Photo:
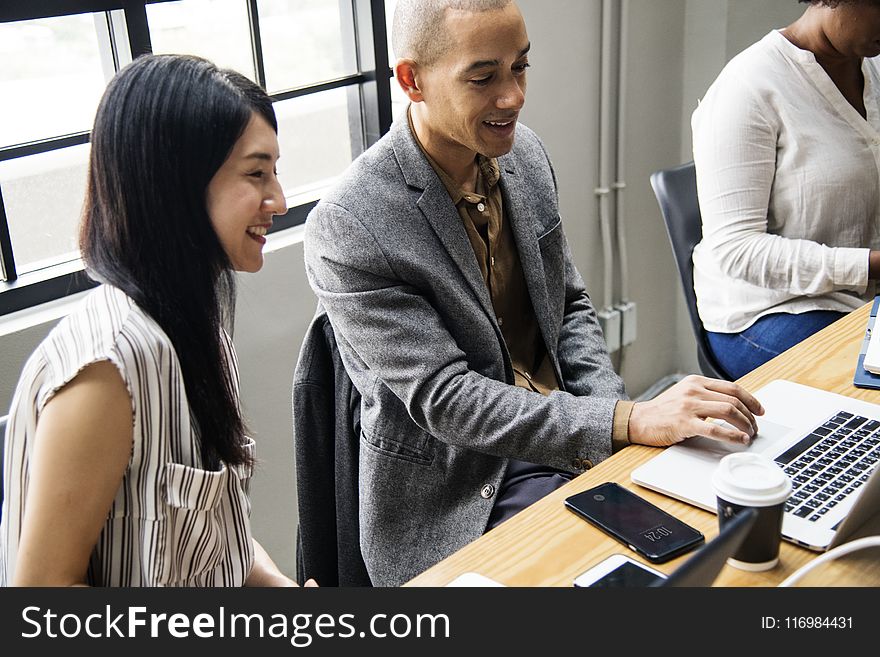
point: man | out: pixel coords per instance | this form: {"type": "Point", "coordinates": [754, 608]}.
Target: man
{"type": "Point", "coordinates": [441, 262]}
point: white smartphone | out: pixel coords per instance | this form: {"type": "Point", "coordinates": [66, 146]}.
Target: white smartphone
{"type": "Point", "coordinates": [473, 579]}
{"type": "Point", "coordinates": [616, 571]}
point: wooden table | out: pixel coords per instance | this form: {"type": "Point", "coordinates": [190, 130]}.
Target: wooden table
{"type": "Point", "coordinates": [547, 545]}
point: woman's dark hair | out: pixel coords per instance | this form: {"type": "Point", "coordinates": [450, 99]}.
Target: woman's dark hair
{"type": "Point", "coordinates": [164, 127]}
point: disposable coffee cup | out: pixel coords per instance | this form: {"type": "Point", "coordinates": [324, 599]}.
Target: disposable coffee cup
{"type": "Point", "coordinates": [752, 481]}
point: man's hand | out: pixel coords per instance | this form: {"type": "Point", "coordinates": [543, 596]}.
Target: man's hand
{"type": "Point", "coordinates": [681, 412]}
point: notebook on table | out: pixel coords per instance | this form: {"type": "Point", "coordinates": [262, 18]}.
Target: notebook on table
{"type": "Point", "coordinates": [828, 444]}
{"type": "Point", "coordinates": [870, 351]}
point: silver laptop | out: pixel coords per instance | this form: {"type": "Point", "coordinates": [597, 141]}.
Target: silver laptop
{"type": "Point", "coordinates": [828, 444]}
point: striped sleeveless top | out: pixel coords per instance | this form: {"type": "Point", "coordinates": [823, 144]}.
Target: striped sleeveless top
{"type": "Point", "coordinates": [172, 522]}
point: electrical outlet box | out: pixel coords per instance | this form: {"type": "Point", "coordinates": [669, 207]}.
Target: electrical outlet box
{"type": "Point", "coordinates": [627, 322]}
{"type": "Point", "coordinates": [609, 320]}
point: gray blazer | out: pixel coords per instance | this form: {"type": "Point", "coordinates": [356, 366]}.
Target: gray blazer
{"type": "Point", "coordinates": [390, 261]}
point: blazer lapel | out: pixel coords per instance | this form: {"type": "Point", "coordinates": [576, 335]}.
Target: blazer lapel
{"type": "Point", "coordinates": [518, 211]}
{"type": "Point", "coordinates": [438, 210]}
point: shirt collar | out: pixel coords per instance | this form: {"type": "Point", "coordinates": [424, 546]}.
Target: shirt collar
{"type": "Point", "coordinates": [489, 169]}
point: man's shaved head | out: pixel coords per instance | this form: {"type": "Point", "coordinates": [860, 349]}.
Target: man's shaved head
{"type": "Point", "coordinates": [419, 30]}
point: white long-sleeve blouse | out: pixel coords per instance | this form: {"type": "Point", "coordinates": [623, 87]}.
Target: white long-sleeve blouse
{"type": "Point", "coordinates": [788, 177]}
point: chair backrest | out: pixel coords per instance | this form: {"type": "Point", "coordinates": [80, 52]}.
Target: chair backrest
{"type": "Point", "coordinates": [676, 192]}
{"type": "Point", "coordinates": [326, 429]}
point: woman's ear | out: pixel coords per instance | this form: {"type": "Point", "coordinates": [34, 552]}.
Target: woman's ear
{"type": "Point", "coordinates": [406, 73]}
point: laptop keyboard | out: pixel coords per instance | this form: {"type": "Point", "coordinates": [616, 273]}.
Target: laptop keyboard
{"type": "Point", "coordinates": [831, 463]}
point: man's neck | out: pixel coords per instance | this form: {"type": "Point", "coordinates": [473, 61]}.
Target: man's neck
{"type": "Point", "coordinates": [458, 162]}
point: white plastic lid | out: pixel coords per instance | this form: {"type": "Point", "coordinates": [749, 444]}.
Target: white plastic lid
{"type": "Point", "coordinates": [750, 480]}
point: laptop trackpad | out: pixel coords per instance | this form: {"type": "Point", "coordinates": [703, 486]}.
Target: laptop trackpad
{"type": "Point", "coordinates": [685, 470]}
{"type": "Point", "coordinates": [766, 442]}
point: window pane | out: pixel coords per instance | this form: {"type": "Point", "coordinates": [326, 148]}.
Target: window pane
{"type": "Point", "coordinates": [306, 42]}
{"type": "Point", "coordinates": [43, 196]}
{"type": "Point", "coordinates": [389, 21]}
{"type": "Point", "coordinates": [399, 101]}
{"type": "Point", "coordinates": [214, 29]}
{"type": "Point", "coordinates": [315, 136]}
{"type": "Point", "coordinates": [51, 77]}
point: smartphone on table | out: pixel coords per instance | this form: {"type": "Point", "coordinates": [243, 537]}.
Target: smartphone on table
{"type": "Point", "coordinates": [634, 521]}
{"type": "Point", "coordinates": [616, 571]}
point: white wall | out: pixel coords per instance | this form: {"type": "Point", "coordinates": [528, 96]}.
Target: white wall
{"type": "Point", "coordinates": [673, 53]}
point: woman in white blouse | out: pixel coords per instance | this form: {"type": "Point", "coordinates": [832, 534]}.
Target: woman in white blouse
{"type": "Point", "coordinates": [126, 461]}
{"type": "Point", "coordinates": [787, 154]}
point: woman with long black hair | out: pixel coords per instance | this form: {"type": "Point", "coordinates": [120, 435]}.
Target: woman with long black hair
{"type": "Point", "coordinates": [127, 461]}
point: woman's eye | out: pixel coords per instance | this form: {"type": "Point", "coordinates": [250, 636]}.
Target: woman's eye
{"type": "Point", "coordinates": [482, 82]}
{"type": "Point", "coordinates": [521, 68]}
{"type": "Point", "coordinates": [256, 174]}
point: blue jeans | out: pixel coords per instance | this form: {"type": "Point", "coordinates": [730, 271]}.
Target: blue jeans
{"type": "Point", "coordinates": [740, 353]}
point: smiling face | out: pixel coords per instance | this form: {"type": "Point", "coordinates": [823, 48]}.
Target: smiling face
{"type": "Point", "coordinates": [245, 194]}
{"type": "Point", "coordinates": [470, 98]}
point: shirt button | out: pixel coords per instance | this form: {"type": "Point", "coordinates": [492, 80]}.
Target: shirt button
{"type": "Point", "coordinates": [492, 261]}
{"type": "Point", "coordinates": [481, 207]}
{"type": "Point", "coordinates": [587, 464]}
{"type": "Point", "coordinates": [487, 491]}
{"type": "Point", "coordinates": [528, 376]}
{"type": "Point", "coordinates": [500, 321]}
{"type": "Point", "coordinates": [577, 464]}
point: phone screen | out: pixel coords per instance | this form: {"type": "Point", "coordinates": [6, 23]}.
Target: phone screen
{"type": "Point", "coordinates": [627, 574]}
{"type": "Point", "coordinates": [635, 522]}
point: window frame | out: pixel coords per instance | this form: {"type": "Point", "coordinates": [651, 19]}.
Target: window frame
{"type": "Point", "coordinates": [371, 94]}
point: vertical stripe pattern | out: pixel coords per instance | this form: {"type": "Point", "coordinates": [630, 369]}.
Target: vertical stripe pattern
{"type": "Point", "coordinates": [172, 522]}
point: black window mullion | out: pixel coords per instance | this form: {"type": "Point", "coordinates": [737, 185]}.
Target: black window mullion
{"type": "Point", "coordinates": [256, 42]}
{"type": "Point", "coordinates": [114, 46]}
{"type": "Point", "coordinates": [7, 259]}
{"type": "Point", "coordinates": [36, 9]}
{"type": "Point", "coordinates": [294, 216]}
{"type": "Point", "coordinates": [23, 293]}
{"type": "Point", "coordinates": [351, 61]}
{"type": "Point", "coordinates": [372, 40]}
{"type": "Point", "coordinates": [43, 146]}
{"type": "Point", "coordinates": [318, 88]}
{"type": "Point", "coordinates": [138, 28]}
{"type": "Point", "coordinates": [381, 64]}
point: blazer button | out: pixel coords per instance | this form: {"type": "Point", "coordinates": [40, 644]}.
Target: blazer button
{"type": "Point", "coordinates": [487, 491]}
{"type": "Point", "coordinates": [587, 464]}
{"type": "Point", "coordinates": [577, 464]}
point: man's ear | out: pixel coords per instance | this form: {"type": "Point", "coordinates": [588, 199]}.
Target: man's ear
{"type": "Point", "coordinates": [406, 73]}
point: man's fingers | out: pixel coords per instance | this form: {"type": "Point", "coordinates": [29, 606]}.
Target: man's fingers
{"type": "Point", "coordinates": [734, 390]}
{"type": "Point", "coordinates": [721, 398]}
{"type": "Point", "coordinates": [730, 414]}
{"type": "Point", "coordinates": [718, 431]}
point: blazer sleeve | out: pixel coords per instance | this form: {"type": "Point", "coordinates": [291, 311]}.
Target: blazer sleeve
{"type": "Point", "coordinates": [396, 333]}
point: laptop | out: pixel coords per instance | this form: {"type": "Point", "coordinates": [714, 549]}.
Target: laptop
{"type": "Point", "coordinates": [828, 444]}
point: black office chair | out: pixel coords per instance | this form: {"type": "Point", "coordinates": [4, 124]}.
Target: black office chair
{"type": "Point", "coordinates": [326, 430]}
{"type": "Point", "coordinates": [676, 192]}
